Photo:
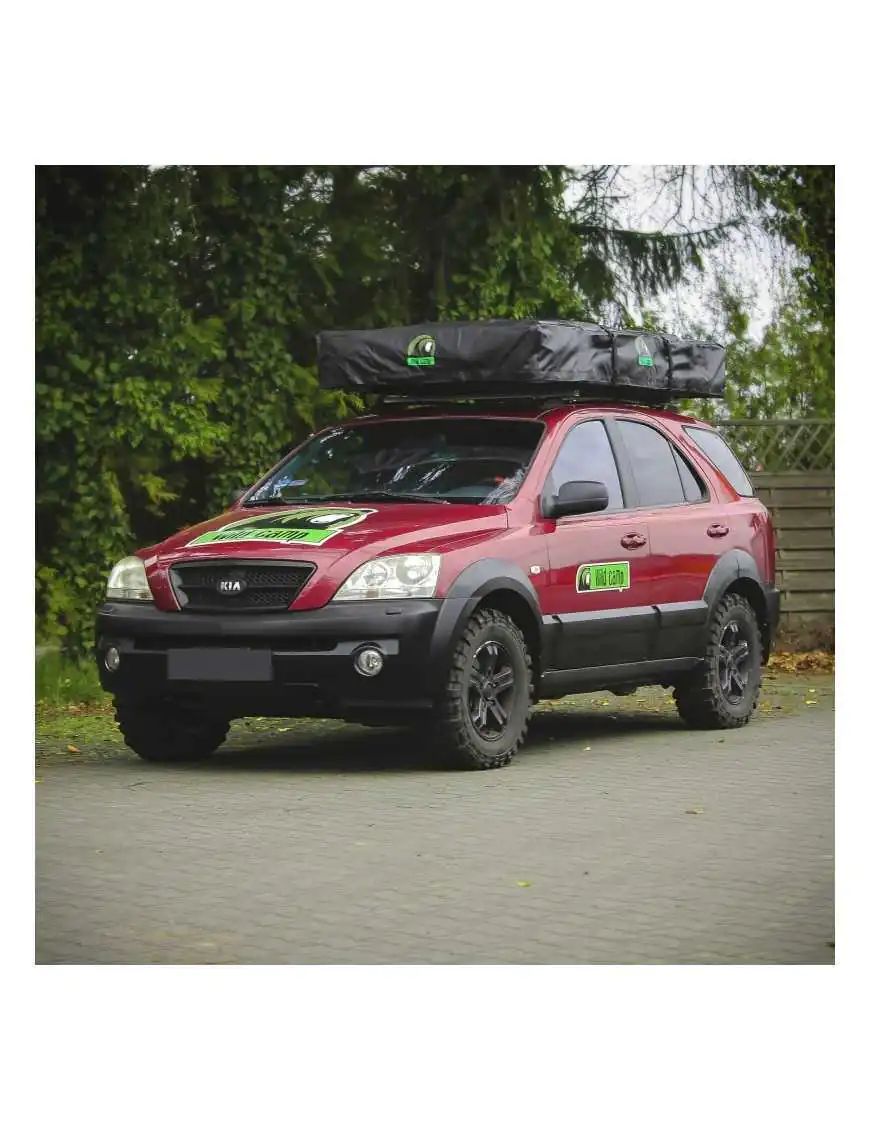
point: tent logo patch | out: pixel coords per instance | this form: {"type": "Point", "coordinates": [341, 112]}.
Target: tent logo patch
{"type": "Point", "coordinates": [421, 350]}
{"type": "Point", "coordinates": [644, 357]}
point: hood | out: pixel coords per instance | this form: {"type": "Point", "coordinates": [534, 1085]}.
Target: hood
{"type": "Point", "coordinates": [334, 537]}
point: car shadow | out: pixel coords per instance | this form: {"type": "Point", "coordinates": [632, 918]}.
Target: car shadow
{"type": "Point", "coordinates": [353, 749]}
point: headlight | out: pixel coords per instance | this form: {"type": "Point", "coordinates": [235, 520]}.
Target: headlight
{"type": "Point", "coordinates": [127, 581]}
{"type": "Point", "coordinates": [406, 575]}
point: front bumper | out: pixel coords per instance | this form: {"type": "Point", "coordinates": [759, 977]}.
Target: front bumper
{"type": "Point", "coordinates": [312, 654]}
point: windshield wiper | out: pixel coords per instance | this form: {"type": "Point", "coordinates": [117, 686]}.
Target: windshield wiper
{"type": "Point", "coordinates": [275, 501]}
{"type": "Point", "coordinates": [390, 496]}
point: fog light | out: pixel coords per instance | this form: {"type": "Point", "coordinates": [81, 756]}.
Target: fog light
{"type": "Point", "coordinates": [369, 661]}
{"type": "Point", "coordinates": [112, 659]}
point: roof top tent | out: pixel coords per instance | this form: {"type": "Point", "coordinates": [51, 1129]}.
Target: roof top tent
{"type": "Point", "coordinates": [528, 359]}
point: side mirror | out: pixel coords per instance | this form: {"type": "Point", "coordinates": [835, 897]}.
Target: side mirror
{"type": "Point", "coordinates": [579, 496]}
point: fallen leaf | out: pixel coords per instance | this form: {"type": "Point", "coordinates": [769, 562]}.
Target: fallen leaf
{"type": "Point", "coordinates": [73, 749]}
{"type": "Point", "coordinates": [791, 662]}
{"type": "Point", "coordinates": [810, 702]}
{"type": "Point", "coordinates": [694, 812]}
{"type": "Point", "coordinates": [587, 747]}
{"type": "Point", "coordinates": [524, 883]}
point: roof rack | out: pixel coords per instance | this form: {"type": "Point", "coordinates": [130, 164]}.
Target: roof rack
{"type": "Point", "coordinates": [542, 398]}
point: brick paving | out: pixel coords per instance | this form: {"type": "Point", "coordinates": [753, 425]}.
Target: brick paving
{"type": "Point", "coordinates": [626, 839]}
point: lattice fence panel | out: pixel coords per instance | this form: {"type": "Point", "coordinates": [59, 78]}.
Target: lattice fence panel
{"type": "Point", "coordinates": [782, 445]}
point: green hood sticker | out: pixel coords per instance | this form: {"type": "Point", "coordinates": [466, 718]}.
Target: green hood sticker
{"type": "Point", "coordinates": [603, 575]}
{"type": "Point", "coordinates": [309, 525]}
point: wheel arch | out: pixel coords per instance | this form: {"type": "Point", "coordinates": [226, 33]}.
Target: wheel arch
{"type": "Point", "coordinates": [489, 584]}
{"type": "Point", "coordinates": [736, 572]}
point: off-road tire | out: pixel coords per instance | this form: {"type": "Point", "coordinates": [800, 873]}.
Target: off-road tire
{"type": "Point", "coordinates": [166, 732]}
{"type": "Point", "coordinates": [699, 695]}
{"type": "Point", "coordinates": [468, 748]}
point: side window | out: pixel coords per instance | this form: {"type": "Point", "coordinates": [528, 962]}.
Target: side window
{"type": "Point", "coordinates": [656, 476]}
{"type": "Point", "coordinates": [719, 454]}
{"type": "Point", "coordinates": [693, 489]}
{"type": "Point", "coordinates": [587, 454]}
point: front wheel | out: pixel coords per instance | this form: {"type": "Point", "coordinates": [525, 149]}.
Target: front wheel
{"type": "Point", "coordinates": [168, 732]}
{"type": "Point", "coordinates": [722, 692]}
{"type": "Point", "coordinates": [484, 712]}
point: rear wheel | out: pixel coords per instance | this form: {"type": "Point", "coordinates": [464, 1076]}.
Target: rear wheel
{"type": "Point", "coordinates": [484, 713]}
{"type": "Point", "coordinates": [722, 692]}
{"type": "Point", "coordinates": [162, 731]}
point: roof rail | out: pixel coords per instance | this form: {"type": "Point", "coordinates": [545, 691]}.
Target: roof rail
{"type": "Point", "coordinates": [544, 398]}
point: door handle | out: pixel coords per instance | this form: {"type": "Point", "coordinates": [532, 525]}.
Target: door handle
{"type": "Point", "coordinates": [633, 541]}
{"type": "Point", "coordinates": [717, 530]}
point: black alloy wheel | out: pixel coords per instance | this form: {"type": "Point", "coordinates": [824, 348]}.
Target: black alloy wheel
{"type": "Point", "coordinates": [491, 690]}
{"type": "Point", "coordinates": [735, 655]}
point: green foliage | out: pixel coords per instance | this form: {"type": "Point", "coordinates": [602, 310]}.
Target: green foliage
{"type": "Point", "coordinates": [118, 376]}
{"type": "Point", "coordinates": [801, 200]}
{"type": "Point", "coordinates": [790, 371]}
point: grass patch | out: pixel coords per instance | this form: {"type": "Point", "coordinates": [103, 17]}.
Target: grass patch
{"type": "Point", "coordinates": [61, 681]}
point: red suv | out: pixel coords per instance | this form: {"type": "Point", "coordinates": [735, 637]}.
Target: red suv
{"type": "Point", "coordinates": [447, 568]}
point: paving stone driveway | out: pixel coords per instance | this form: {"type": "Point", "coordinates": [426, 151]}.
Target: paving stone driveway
{"type": "Point", "coordinates": [625, 839]}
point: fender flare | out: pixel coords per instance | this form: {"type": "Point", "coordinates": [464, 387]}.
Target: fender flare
{"type": "Point", "coordinates": [733, 566]}
{"type": "Point", "coordinates": [472, 586]}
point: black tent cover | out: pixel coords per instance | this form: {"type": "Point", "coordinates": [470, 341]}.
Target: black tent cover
{"type": "Point", "coordinates": [513, 357]}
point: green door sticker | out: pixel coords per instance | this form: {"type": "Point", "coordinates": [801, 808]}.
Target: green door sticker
{"type": "Point", "coordinates": [603, 575]}
{"type": "Point", "coordinates": [309, 525]}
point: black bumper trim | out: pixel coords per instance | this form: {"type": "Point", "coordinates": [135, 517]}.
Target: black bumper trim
{"type": "Point", "coordinates": [312, 654]}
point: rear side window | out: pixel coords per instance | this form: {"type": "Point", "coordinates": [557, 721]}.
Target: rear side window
{"type": "Point", "coordinates": [719, 454]}
{"type": "Point", "coordinates": [656, 475]}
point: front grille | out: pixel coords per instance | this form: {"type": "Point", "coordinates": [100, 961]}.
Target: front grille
{"type": "Point", "coordinates": [254, 586]}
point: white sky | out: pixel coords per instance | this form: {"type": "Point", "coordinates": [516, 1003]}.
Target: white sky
{"type": "Point", "coordinates": [748, 260]}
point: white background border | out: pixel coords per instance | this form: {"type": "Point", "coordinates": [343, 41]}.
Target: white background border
{"type": "Point", "coordinates": [418, 1047]}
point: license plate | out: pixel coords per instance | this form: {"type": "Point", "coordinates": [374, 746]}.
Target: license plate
{"type": "Point", "coordinates": [230, 665]}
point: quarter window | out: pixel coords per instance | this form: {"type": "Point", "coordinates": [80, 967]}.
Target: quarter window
{"type": "Point", "coordinates": [692, 487]}
{"type": "Point", "coordinates": [721, 456]}
{"type": "Point", "coordinates": [587, 455]}
{"type": "Point", "coordinates": [656, 476]}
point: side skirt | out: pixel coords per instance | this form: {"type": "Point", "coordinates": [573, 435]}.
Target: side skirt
{"type": "Point", "coordinates": [604, 678]}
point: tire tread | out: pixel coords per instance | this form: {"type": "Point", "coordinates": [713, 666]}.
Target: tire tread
{"type": "Point", "coordinates": [452, 715]}
{"type": "Point", "coordinates": [158, 734]}
{"type": "Point", "coordinates": [697, 696]}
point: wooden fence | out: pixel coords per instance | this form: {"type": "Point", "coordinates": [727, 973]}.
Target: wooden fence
{"type": "Point", "coordinates": [802, 508]}
{"type": "Point", "coordinates": [791, 463]}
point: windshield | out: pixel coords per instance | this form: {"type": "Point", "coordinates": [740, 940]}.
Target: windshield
{"type": "Point", "coordinates": [462, 460]}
